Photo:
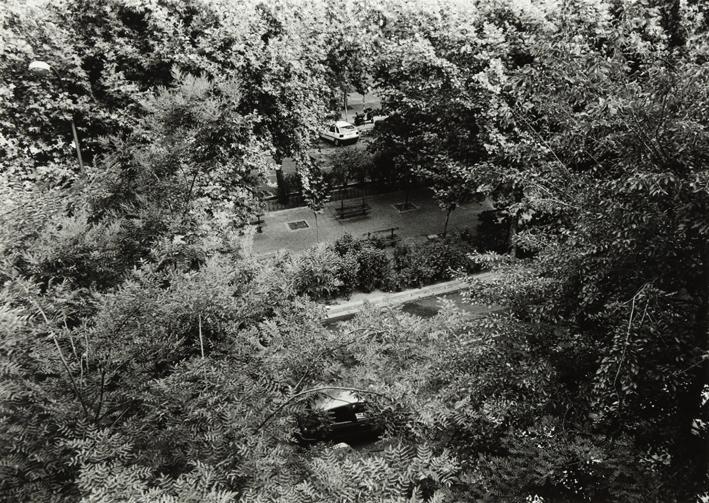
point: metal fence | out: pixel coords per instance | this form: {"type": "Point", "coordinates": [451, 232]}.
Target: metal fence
{"type": "Point", "coordinates": [357, 190]}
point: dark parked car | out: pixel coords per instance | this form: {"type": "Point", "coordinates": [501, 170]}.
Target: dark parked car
{"type": "Point", "coordinates": [339, 416]}
{"type": "Point", "coordinates": [369, 115]}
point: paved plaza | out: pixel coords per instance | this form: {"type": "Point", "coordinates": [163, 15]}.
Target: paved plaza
{"type": "Point", "coordinates": [415, 224]}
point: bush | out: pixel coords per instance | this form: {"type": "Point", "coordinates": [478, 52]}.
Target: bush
{"type": "Point", "coordinates": [347, 244]}
{"type": "Point", "coordinates": [374, 269]}
{"type": "Point", "coordinates": [376, 241]}
{"type": "Point", "coordinates": [348, 272]}
{"type": "Point", "coordinates": [315, 272]}
{"type": "Point", "coordinates": [364, 264]}
{"type": "Point", "coordinates": [419, 264]}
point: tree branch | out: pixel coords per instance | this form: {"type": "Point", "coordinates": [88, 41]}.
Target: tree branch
{"type": "Point", "coordinates": [61, 353]}
{"type": "Point", "coordinates": [331, 349]}
{"type": "Point", "coordinates": [201, 340]}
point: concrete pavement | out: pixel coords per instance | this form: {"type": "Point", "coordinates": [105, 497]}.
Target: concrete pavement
{"type": "Point", "coordinates": [414, 224]}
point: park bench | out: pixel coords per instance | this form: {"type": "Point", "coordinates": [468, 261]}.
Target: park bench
{"type": "Point", "coordinates": [387, 236]}
{"type": "Point", "coordinates": [350, 211]}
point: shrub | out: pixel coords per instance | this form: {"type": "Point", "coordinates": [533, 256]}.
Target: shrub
{"type": "Point", "coordinates": [364, 264]}
{"type": "Point", "coordinates": [419, 264]}
{"type": "Point", "coordinates": [316, 271]}
{"type": "Point", "coordinates": [376, 241]}
{"type": "Point", "coordinates": [347, 244]}
{"type": "Point", "coordinates": [373, 269]}
{"type": "Point", "coordinates": [348, 272]}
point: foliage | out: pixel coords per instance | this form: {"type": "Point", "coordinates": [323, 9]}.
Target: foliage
{"type": "Point", "coordinates": [143, 358]}
{"type": "Point", "coordinates": [595, 157]}
{"type": "Point", "coordinates": [409, 264]}
{"type": "Point", "coordinates": [36, 141]}
{"type": "Point", "coordinates": [350, 163]}
{"type": "Point", "coordinates": [347, 244]}
{"type": "Point", "coordinates": [317, 273]}
{"type": "Point", "coordinates": [421, 264]}
{"type": "Point", "coordinates": [316, 190]}
{"type": "Point", "coordinates": [492, 232]}
{"type": "Point", "coordinates": [373, 268]}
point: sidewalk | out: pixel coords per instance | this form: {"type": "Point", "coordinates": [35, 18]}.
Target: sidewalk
{"type": "Point", "coordinates": [415, 224]}
{"type": "Point", "coordinates": [350, 307]}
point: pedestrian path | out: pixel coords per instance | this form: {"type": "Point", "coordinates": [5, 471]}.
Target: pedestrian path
{"type": "Point", "coordinates": [426, 218]}
{"type": "Point", "coordinates": [346, 308]}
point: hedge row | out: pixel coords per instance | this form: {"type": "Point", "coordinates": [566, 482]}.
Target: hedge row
{"type": "Point", "coordinates": [349, 264]}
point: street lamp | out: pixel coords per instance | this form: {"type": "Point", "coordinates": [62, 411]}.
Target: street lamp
{"type": "Point", "coordinates": [42, 68]}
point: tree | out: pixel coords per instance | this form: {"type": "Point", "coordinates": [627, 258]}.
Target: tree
{"type": "Point", "coordinates": [35, 112]}
{"type": "Point", "coordinates": [350, 163]}
{"type": "Point", "coordinates": [434, 108]}
{"type": "Point", "coordinates": [611, 176]}
{"type": "Point", "coordinates": [316, 191]}
{"type": "Point", "coordinates": [451, 184]}
{"type": "Point", "coordinates": [143, 357]}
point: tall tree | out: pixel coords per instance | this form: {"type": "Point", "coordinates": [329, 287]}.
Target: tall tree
{"type": "Point", "coordinates": [608, 135]}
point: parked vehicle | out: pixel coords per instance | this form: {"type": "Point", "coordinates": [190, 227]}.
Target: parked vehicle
{"type": "Point", "coordinates": [369, 116]}
{"type": "Point", "coordinates": [340, 133]}
{"type": "Point", "coordinates": [339, 416]}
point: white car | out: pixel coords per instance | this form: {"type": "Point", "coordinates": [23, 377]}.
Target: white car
{"type": "Point", "coordinates": [340, 132]}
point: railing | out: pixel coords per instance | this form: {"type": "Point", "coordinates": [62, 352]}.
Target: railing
{"type": "Point", "coordinates": [353, 191]}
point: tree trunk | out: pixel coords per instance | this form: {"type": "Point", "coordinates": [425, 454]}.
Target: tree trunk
{"type": "Point", "coordinates": [448, 215]}
{"type": "Point", "coordinates": [512, 235]}
{"type": "Point", "coordinates": [201, 339]}
{"type": "Point", "coordinates": [76, 144]}
{"type": "Point", "coordinates": [282, 190]}
{"type": "Point", "coordinates": [317, 233]}
{"type": "Point", "coordinates": [344, 100]}
{"type": "Point", "coordinates": [672, 23]}
{"type": "Point", "coordinates": [406, 191]}
{"type": "Point", "coordinates": [189, 194]}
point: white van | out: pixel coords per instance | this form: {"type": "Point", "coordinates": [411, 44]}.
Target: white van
{"type": "Point", "coordinates": [340, 133]}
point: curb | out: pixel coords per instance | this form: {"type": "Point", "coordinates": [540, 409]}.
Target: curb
{"type": "Point", "coordinates": [348, 309]}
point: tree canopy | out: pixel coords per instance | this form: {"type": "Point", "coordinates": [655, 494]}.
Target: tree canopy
{"type": "Point", "coordinates": [146, 356]}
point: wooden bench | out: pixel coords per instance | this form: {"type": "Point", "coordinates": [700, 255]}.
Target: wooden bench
{"type": "Point", "coordinates": [352, 211]}
{"type": "Point", "coordinates": [388, 236]}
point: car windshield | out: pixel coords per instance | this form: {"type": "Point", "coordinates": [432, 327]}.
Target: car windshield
{"type": "Point", "coordinates": [347, 128]}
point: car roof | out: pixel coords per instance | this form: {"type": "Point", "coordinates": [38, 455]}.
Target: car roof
{"type": "Point", "coordinates": [342, 123]}
{"type": "Point", "coordinates": [334, 399]}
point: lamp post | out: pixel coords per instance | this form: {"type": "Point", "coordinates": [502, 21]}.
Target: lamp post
{"type": "Point", "coordinates": [42, 68]}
